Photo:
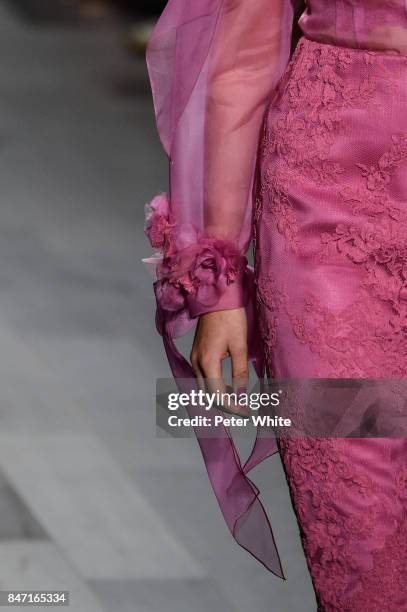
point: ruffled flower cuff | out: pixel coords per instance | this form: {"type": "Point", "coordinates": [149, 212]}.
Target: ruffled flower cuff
{"type": "Point", "coordinates": [195, 272]}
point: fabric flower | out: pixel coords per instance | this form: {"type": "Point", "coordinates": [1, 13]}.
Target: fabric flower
{"type": "Point", "coordinates": [158, 226]}
{"type": "Point", "coordinates": [194, 268]}
{"type": "Point", "coordinates": [200, 272]}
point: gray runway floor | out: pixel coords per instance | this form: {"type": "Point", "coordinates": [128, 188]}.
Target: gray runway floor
{"type": "Point", "coordinates": [90, 499]}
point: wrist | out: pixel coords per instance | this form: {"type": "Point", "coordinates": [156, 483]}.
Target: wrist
{"type": "Point", "coordinates": [233, 297]}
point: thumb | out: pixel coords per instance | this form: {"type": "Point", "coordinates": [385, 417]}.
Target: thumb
{"type": "Point", "coordinates": [240, 374]}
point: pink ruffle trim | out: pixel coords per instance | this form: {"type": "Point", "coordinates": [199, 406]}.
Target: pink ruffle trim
{"type": "Point", "coordinates": [195, 271]}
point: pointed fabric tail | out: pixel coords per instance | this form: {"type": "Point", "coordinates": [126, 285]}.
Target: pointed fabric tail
{"type": "Point", "coordinates": [237, 495]}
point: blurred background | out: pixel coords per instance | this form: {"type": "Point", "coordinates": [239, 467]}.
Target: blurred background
{"type": "Point", "coordinates": [90, 499]}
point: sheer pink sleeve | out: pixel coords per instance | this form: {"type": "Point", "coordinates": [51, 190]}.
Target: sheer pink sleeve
{"type": "Point", "coordinates": [213, 65]}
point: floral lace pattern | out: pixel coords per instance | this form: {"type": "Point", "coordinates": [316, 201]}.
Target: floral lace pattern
{"type": "Point", "coordinates": [352, 528]}
{"type": "Point", "coordinates": [330, 225]}
{"type": "Point", "coordinates": [269, 302]}
{"type": "Point", "coordinates": [301, 134]}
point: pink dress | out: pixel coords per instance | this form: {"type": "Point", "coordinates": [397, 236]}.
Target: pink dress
{"type": "Point", "coordinates": [306, 153]}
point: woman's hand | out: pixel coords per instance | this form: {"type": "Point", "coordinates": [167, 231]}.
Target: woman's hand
{"type": "Point", "coordinates": [219, 335]}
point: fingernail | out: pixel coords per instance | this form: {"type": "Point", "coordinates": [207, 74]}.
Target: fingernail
{"type": "Point", "coordinates": [241, 391]}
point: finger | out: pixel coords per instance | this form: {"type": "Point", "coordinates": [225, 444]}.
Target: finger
{"type": "Point", "coordinates": [199, 375]}
{"type": "Point", "coordinates": [212, 369]}
{"type": "Point", "coordinates": [240, 375]}
{"type": "Point", "coordinates": [240, 367]}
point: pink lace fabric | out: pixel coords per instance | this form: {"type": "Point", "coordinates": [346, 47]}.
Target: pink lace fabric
{"type": "Point", "coordinates": [327, 214]}
{"type": "Point", "coordinates": [331, 275]}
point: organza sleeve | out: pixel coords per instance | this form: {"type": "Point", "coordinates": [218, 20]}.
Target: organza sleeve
{"type": "Point", "coordinates": [213, 65]}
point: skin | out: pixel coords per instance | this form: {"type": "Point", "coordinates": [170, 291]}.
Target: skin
{"type": "Point", "coordinates": [219, 335]}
